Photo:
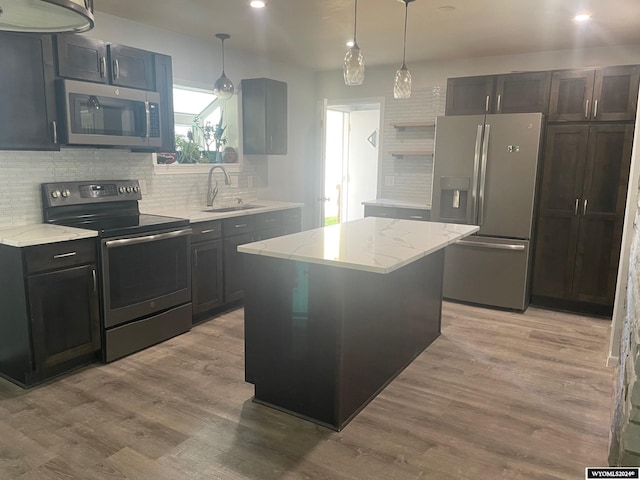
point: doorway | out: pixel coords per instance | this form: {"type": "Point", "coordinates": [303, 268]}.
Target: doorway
{"type": "Point", "coordinates": [351, 157]}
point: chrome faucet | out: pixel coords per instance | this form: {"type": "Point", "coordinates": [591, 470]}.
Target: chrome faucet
{"type": "Point", "coordinates": [212, 186]}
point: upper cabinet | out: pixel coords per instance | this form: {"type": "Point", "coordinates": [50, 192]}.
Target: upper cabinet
{"type": "Point", "coordinates": [84, 58]}
{"type": "Point", "coordinates": [264, 116]}
{"type": "Point", "coordinates": [509, 93]}
{"type": "Point", "coordinates": [27, 92]}
{"type": "Point", "coordinates": [604, 95]}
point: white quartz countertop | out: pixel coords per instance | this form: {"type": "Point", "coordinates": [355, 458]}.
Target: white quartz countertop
{"type": "Point", "coordinates": [387, 202]}
{"type": "Point", "coordinates": [371, 244]}
{"type": "Point", "coordinates": [203, 214]}
{"type": "Point", "coordinates": [41, 233]}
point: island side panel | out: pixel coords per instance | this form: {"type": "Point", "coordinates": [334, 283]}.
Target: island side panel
{"type": "Point", "coordinates": [321, 341]}
{"type": "Point", "coordinates": [290, 349]}
{"type": "Point", "coordinates": [387, 321]}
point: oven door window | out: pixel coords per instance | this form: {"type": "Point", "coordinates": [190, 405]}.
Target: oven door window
{"type": "Point", "coordinates": [97, 115]}
{"type": "Point", "coordinates": [142, 271]}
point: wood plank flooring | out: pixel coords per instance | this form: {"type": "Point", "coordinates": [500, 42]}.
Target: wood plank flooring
{"type": "Point", "coordinates": [498, 396]}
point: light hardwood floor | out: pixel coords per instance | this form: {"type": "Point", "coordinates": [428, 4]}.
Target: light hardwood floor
{"type": "Point", "coordinates": [498, 396]}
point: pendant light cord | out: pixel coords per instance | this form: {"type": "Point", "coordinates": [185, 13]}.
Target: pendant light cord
{"type": "Point", "coordinates": [223, 54]}
{"type": "Point", "coordinates": [404, 46]}
{"type": "Point", "coordinates": [355, 23]}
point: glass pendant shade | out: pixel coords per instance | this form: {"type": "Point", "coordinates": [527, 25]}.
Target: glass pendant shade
{"type": "Point", "coordinates": [223, 88]}
{"type": "Point", "coordinates": [402, 83]}
{"type": "Point", "coordinates": [353, 66]}
{"type": "Point", "coordinates": [46, 16]}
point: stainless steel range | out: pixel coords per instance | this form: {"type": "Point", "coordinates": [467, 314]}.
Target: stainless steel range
{"type": "Point", "coordinates": [144, 266]}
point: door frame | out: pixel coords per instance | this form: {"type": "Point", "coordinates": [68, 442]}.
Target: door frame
{"type": "Point", "coordinates": [323, 106]}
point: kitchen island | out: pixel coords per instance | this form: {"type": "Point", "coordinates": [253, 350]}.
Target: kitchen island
{"type": "Point", "coordinates": [333, 315]}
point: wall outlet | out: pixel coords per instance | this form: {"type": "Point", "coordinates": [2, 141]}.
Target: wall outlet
{"type": "Point", "coordinates": [143, 186]}
{"type": "Point", "coordinates": [234, 181]}
{"type": "Point", "coordinates": [389, 180]}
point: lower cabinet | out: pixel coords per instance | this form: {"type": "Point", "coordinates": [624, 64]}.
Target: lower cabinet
{"type": "Point", "coordinates": [206, 267]}
{"type": "Point", "coordinates": [217, 267]}
{"type": "Point", "coordinates": [417, 214]}
{"type": "Point", "coordinates": [51, 321]}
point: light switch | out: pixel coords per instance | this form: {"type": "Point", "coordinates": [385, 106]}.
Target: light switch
{"type": "Point", "coordinates": [389, 181]}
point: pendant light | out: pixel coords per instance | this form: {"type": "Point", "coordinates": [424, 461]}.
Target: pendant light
{"type": "Point", "coordinates": [353, 67]}
{"type": "Point", "coordinates": [46, 16]}
{"type": "Point", "coordinates": [223, 88]}
{"type": "Point", "coordinates": [402, 82]}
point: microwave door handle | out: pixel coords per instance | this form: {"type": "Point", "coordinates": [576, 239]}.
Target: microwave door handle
{"type": "Point", "coordinates": [147, 118]}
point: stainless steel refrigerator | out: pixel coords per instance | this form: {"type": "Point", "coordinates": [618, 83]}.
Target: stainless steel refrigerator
{"type": "Point", "coordinates": [485, 173]}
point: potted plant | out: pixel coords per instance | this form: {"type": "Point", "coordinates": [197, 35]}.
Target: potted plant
{"type": "Point", "coordinates": [187, 150]}
{"type": "Point", "coordinates": [211, 134]}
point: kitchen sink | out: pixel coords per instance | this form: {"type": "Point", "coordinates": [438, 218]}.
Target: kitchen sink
{"type": "Point", "coordinates": [232, 208]}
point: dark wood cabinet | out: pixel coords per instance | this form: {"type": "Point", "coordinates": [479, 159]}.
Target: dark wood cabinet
{"type": "Point", "coordinates": [509, 93]}
{"type": "Point", "coordinates": [264, 116]}
{"type": "Point", "coordinates": [51, 320]}
{"type": "Point", "coordinates": [602, 95]}
{"type": "Point", "coordinates": [207, 268]}
{"type": "Point", "coordinates": [27, 92]}
{"type": "Point", "coordinates": [164, 86]}
{"type": "Point", "coordinates": [582, 203]}
{"type": "Point", "coordinates": [234, 267]}
{"type": "Point", "coordinates": [82, 58]}
{"type": "Point", "coordinates": [131, 67]}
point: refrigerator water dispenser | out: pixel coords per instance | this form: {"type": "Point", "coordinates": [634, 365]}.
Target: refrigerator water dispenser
{"type": "Point", "coordinates": [454, 195]}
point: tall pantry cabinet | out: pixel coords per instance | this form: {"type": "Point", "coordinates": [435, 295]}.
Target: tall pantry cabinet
{"type": "Point", "coordinates": [586, 164]}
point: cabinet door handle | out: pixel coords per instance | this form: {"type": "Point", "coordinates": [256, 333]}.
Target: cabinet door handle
{"type": "Point", "coordinates": [196, 259]}
{"type": "Point", "coordinates": [577, 205]}
{"type": "Point", "coordinates": [116, 69]}
{"type": "Point", "coordinates": [241, 225]}
{"type": "Point", "coordinates": [584, 207]}
{"type": "Point", "coordinates": [103, 67]}
{"type": "Point", "coordinates": [203, 232]}
{"type": "Point", "coordinates": [486, 103]}
{"type": "Point", "coordinates": [417, 217]}
{"type": "Point", "coordinates": [586, 109]}
{"type": "Point", "coordinates": [54, 131]}
{"type": "Point", "coordinates": [499, 103]}
{"type": "Point", "coordinates": [64, 255]}
{"type": "Point", "coordinates": [95, 280]}
{"type": "Point", "coordinates": [595, 108]}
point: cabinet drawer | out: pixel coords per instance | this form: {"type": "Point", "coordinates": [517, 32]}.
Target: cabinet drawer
{"type": "Point", "coordinates": [238, 225]}
{"type": "Point", "coordinates": [386, 212]}
{"type": "Point", "coordinates": [414, 214]}
{"type": "Point", "coordinates": [204, 231]}
{"type": "Point", "coordinates": [268, 220]}
{"type": "Point", "coordinates": [52, 256]}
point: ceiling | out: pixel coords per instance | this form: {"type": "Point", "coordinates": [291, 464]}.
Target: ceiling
{"type": "Point", "coordinates": [312, 33]}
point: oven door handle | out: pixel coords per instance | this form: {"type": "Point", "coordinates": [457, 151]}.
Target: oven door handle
{"type": "Point", "coordinates": [147, 238]}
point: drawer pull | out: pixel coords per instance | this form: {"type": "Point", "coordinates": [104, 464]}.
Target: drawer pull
{"type": "Point", "coordinates": [241, 225]}
{"type": "Point", "coordinates": [494, 246]}
{"type": "Point", "coordinates": [65, 255]}
{"type": "Point", "coordinates": [269, 220]}
{"type": "Point", "coordinates": [211, 230]}
{"type": "Point", "coordinates": [419, 217]}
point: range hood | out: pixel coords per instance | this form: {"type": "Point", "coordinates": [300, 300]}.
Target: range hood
{"type": "Point", "coordinates": [46, 16]}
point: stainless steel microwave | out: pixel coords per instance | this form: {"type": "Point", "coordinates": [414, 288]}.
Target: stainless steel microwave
{"type": "Point", "coordinates": [108, 115]}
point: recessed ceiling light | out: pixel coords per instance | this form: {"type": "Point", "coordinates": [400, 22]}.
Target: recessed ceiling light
{"type": "Point", "coordinates": [350, 43]}
{"type": "Point", "coordinates": [582, 17]}
{"type": "Point", "coordinates": [258, 4]}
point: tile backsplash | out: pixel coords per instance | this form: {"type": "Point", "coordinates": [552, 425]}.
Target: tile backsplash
{"type": "Point", "coordinates": [409, 178]}
{"type": "Point", "coordinates": [21, 174]}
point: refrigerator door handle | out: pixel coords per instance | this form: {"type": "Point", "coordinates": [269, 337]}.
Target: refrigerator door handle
{"type": "Point", "coordinates": [494, 246]}
{"type": "Point", "coordinates": [483, 173]}
{"type": "Point", "coordinates": [476, 174]}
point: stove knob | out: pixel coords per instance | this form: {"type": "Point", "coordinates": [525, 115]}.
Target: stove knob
{"type": "Point", "coordinates": [55, 194]}
{"type": "Point", "coordinates": [121, 189]}
{"type": "Point", "coordinates": [66, 193]}
{"type": "Point", "coordinates": [128, 189]}
{"type": "Point", "coordinates": [136, 189]}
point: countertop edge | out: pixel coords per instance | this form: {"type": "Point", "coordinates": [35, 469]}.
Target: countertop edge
{"type": "Point", "coordinates": [385, 202]}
